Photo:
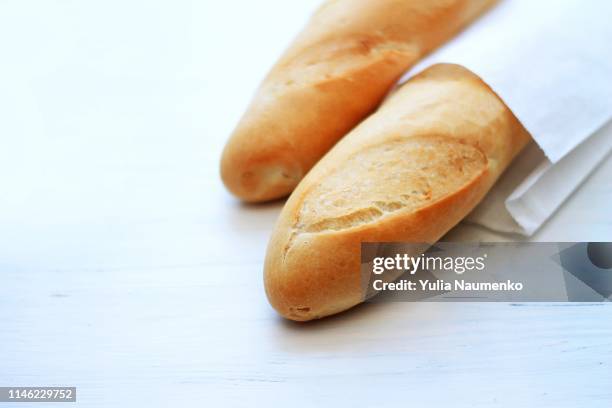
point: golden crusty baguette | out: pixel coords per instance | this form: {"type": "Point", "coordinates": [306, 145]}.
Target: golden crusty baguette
{"type": "Point", "coordinates": [334, 74]}
{"type": "Point", "coordinates": [409, 172]}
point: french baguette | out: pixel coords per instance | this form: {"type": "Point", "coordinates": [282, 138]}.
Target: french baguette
{"type": "Point", "coordinates": [409, 172]}
{"type": "Point", "coordinates": [334, 74]}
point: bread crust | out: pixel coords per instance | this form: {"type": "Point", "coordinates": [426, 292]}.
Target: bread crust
{"type": "Point", "coordinates": [334, 74]}
{"type": "Point", "coordinates": [445, 134]}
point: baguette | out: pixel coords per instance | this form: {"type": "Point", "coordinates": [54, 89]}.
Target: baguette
{"type": "Point", "coordinates": [410, 172]}
{"type": "Point", "coordinates": [333, 75]}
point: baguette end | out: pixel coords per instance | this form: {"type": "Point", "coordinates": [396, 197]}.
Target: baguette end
{"type": "Point", "coordinates": [255, 180]}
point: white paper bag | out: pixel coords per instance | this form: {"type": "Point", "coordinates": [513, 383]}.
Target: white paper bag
{"type": "Point", "coordinates": [551, 62]}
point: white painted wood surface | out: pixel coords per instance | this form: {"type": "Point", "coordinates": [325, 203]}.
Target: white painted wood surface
{"type": "Point", "coordinates": [130, 273]}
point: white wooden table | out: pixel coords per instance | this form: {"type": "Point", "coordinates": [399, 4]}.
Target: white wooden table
{"type": "Point", "coordinates": [129, 272]}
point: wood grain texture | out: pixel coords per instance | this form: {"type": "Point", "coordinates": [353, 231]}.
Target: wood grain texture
{"type": "Point", "coordinates": [128, 272]}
